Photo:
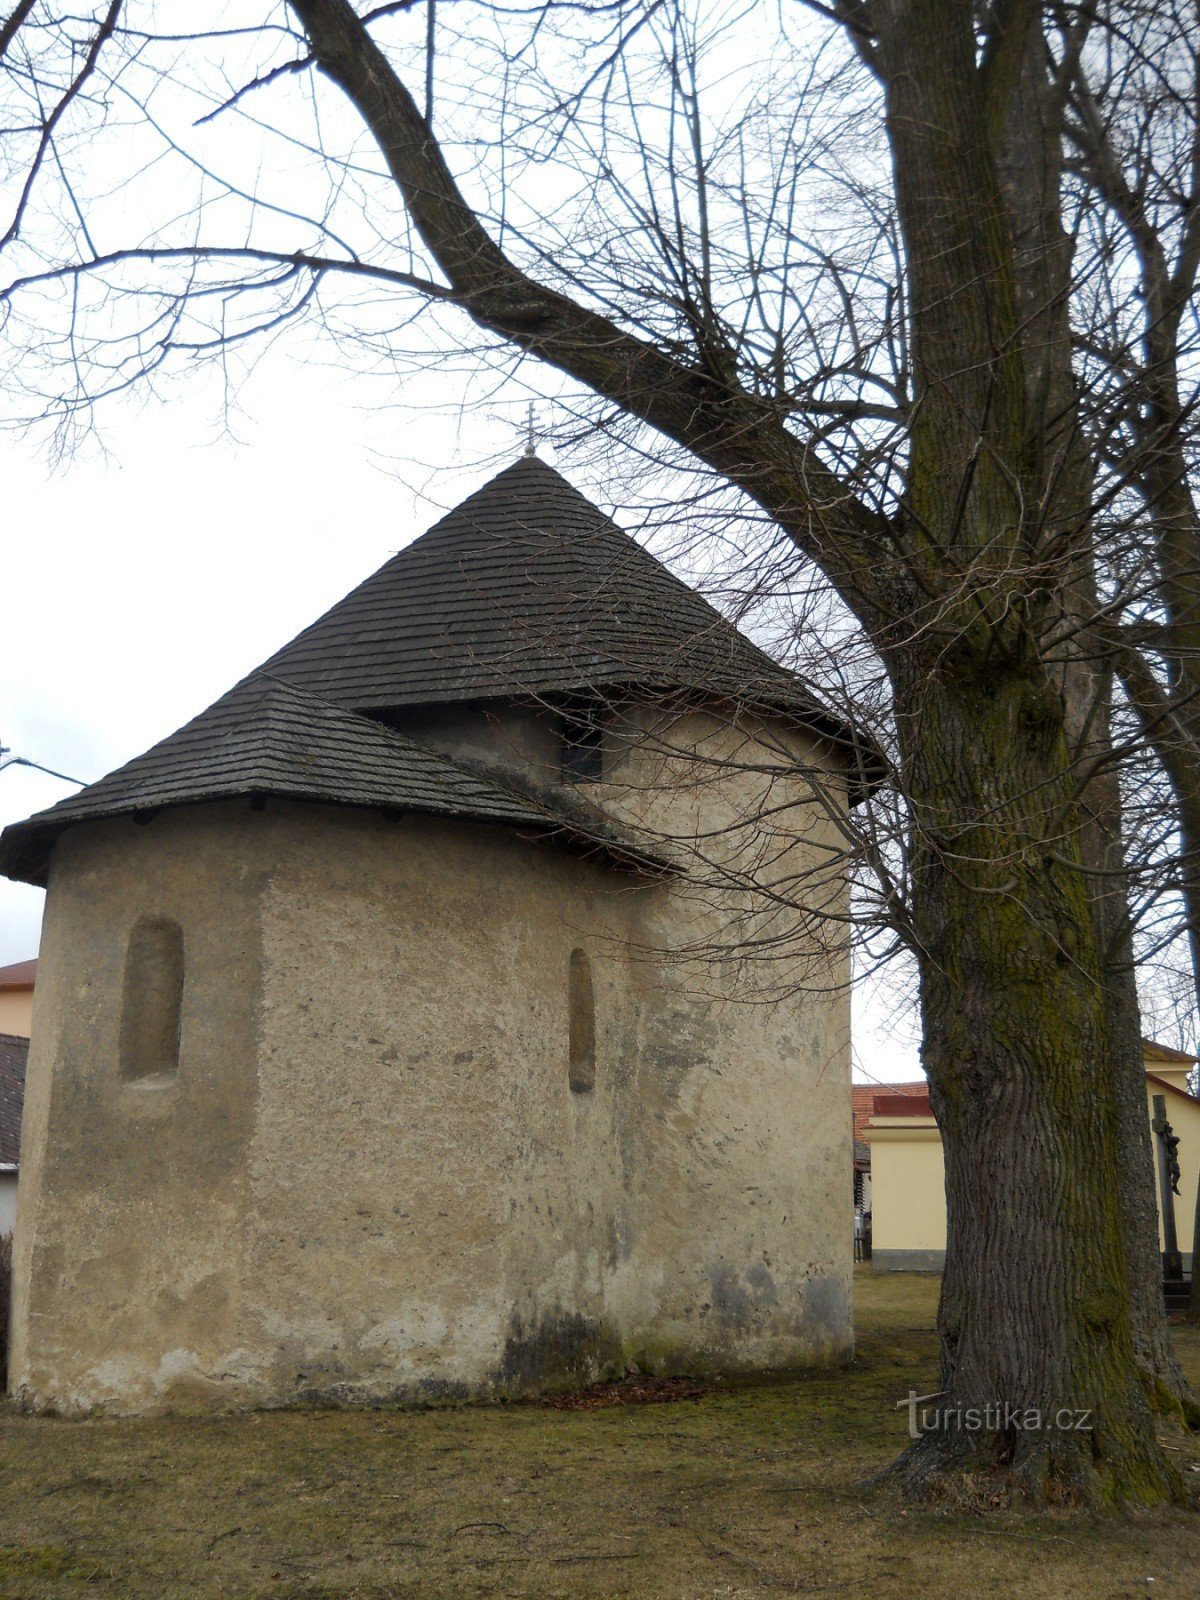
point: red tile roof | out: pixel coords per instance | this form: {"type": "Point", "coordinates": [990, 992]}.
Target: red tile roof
{"type": "Point", "coordinates": [912, 1099]}
{"type": "Point", "coordinates": [902, 1105]}
{"type": "Point", "coordinates": [862, 1100]}
{"type": "Point", "coordinates": [20, 975]}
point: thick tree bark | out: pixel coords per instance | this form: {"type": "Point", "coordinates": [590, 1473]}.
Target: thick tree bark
{"type": "Point", "coordinates": [1034, 1321]}
{"type": "Point", "coordinates": [1158, 469]}
{"type": "Point", "coordinates": [1030, 1030]}
{"type": "Point", "coordinates": [1029, 163]}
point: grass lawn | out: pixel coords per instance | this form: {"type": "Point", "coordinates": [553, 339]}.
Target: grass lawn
{"type": "Point", "coordinates": [752, 1490]}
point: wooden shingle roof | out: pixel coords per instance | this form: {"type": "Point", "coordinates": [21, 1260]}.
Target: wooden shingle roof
{"type": "Point", "coordinates": [527, 589]}
{"type": "Point", "coordinates": [268, 738]}
{"type": "Point", "coordinates": [14, 1052]}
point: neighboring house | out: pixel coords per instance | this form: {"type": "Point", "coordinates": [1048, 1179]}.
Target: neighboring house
{"type": "Point", "coordinates": [862, 1105]}
{"type": "Point", "coordinates": [907, 1175]}
{"type": "Point", "coordinates": [13, 1052]}
{"type": "Point", "coordinates": [385, 1044]}
{"type": "Point", "coordinates": [16, 998]}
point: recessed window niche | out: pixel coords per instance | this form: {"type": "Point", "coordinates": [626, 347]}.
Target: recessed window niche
{"type": "Point", "coordinates": [151, 1001]}
{"type": "Point", "coordinates": [582, 1002]}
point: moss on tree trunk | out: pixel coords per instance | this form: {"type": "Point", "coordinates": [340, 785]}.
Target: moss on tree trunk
{"type": "Point", "coordinates": [1034, 1322]}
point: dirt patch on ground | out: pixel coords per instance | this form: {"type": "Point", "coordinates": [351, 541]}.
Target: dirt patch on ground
{"type": "Point", "coordinates": [635, 1390]}
{"type": "Point", "coordinates": [748, 1492]}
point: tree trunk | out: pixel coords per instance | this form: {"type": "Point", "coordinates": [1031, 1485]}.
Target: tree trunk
{"type": "Point", "coordinates": [1177, 529]}
{"type": "Point", "coordinates": [1171, 717]}
{"type": "Point", "coordinates": [1039, 1366]}
{"type": "Point", "coordinates": [1029, 165]}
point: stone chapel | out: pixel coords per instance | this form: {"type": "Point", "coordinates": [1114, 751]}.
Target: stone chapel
{"type": "Point", "coordinates": [398, 1030]}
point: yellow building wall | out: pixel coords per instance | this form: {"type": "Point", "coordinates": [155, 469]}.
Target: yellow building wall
{"type": "Point", "coordinates": [908, 1186]}
{"type": "Point", "coordinates": [16, 1012]}
{"type": "Point", "coordinates": [908, 1177]}
{"type": "Point", "coordinates": [1184, 1117]}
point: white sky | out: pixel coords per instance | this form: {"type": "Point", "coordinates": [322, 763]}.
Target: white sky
{"type": "Point", "coordinates": [141, 584]}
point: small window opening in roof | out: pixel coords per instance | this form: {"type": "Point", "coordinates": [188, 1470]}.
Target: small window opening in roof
{"type": "Point", "coordinates": [582, 746]}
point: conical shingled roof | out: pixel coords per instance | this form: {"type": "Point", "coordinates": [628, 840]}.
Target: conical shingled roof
{"type": "Point", "coordinates": [267, 738]}
{"type": "Point", "coordinates": [524, 590]}
{"type": "Point", "coordinates": [527, 589]}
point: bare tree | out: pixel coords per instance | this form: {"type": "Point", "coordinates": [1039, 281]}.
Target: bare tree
{"type": "Point", "coordinates": [1133, 133]}
{"type": "Point", "coordinates": [896, 395]}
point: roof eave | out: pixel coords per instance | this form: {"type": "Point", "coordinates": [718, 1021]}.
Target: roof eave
{"type": "Point", "coordinates": [26, 847]}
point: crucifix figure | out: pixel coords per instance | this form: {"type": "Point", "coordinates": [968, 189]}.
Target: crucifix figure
{"type": "Point", "coordinates": [1167, 1144]}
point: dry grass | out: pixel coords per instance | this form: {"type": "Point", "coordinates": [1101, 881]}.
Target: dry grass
{"type": "Point", "coordinates": [745, 1492]}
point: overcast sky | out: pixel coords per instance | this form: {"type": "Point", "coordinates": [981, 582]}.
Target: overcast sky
{"type": "Point", "coordinates": [140, 583]}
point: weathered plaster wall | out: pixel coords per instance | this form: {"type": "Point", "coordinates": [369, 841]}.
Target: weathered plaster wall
{"type": "Point", "coordinates": [132, 1220]}
{"type": "Point", "coordinates": [743, 1172]}
{"type": "Point", "coordinates": [521, 738]}
{"type": "Point", "coordinates": [370, 1176]}
{"type": "Point", "coordinates": [741, 1253]}
{"type": "Point", "coordinates": [418, 1147]}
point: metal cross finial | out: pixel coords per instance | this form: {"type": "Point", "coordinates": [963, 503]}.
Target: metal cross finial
{"type": "Point", "coordinates": [530, 432]}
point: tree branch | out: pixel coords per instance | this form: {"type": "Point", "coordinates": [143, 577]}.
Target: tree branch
{"type": "Point", "coordinates": [12, 26]}
{"type": "Point", "coordinates": [736, 433]}
{"type": "Point", "coordinates": [103, 33]}
{"type": "Point", "coordinates": [297, 259]}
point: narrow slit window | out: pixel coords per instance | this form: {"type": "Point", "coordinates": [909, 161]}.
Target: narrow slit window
{"type": "Point", "coordinates": [583, 1024]}
{"type": "Point", "coordinates": [152, 1001]}
{"type": "Point", "coordinates": [583, 744]}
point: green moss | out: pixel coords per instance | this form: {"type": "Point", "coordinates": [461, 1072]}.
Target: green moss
{"type": "Point", "coordinates": [36, 1561]}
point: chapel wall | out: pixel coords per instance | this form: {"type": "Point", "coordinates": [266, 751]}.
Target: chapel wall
{"type": "Point", "coordinates": [433, 1207]}
{"type": "Point", "coordinates": [744, 1164]}
{"type": "Point", "coordinates": [370, 1176]}
{"type": "Point", "coordinates": [129, 1233]}
{"type": "Point", "coordinates": [522, 739]}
